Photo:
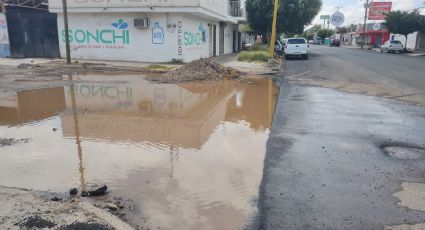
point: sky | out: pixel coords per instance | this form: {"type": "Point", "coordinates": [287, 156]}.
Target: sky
{"type": "Point", "coordinates": [354, 11]}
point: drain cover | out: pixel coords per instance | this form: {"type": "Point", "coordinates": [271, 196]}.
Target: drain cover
{"type": "Point", "coordinates": [406, 153]}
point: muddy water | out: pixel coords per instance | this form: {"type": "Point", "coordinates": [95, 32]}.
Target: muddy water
{"type": "Point", "coordinates": [189, 155]}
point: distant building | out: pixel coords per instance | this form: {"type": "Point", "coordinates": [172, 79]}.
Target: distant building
{"type": "Point", "coordinates": [375, 34]}
{"type": "Point", "coordinates": [415, 41]}
{"type": "Point", "coordinates": [150, 31]}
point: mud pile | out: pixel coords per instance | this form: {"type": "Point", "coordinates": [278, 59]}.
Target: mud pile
{"type": "Point", "coordinates": [199, 70]}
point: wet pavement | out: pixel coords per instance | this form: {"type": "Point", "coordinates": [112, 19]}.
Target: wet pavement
{"type": "Point", "coordinates": [189, 155]}
{"type": "Point", "coordinates": [337, 160]}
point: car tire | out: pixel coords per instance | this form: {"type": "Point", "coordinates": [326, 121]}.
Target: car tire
{"type": "Point", "coordinates": [305, 57]}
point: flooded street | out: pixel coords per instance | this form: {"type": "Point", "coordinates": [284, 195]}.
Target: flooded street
{"type": "Point", "coordinates": [189, 155]}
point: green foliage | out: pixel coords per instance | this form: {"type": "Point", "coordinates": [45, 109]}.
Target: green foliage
{"type": "Point", "coordinates": [308, 35]}
{"type": "Point", "coordinates": [258, 45]}
{"type": "Point", "coordinates": [315, 28]}
{"type": "Point", "coordinates": [246, 28]}
{"type": "Point", "coordinates": [324, 33]}
{"type": "Point", "coordinates": [403, 22]}
{"type": "Point", "coordinates": [250, 56]}
{"type": "Point", "coordinates": [342, 30]}
{"type": "Point", "coordinates": [293, 15]}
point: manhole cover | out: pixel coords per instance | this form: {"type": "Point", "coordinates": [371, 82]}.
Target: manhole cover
{"type": "Point", "coordinates": [407, 153]}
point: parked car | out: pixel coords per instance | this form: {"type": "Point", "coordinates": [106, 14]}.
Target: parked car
{"type": "Point", "coordinates": [335, 42]}
{"type": "Point", "coordinates": [311, 42]}
{"type": "Point", "coordinates": [392, 46]}
{"type": "Point", "coordinates": [278, 47]}
{"type": "Point", "coordinates": [296, 47]}
{"type": "Point", "coordinates": [247, 46]}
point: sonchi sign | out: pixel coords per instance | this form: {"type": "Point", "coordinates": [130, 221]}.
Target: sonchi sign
{"type": "Point", "coordinates": [195, 38]}
{"type": "Point", "coordinates": [118, 34]}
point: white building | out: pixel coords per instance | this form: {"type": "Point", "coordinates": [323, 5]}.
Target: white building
{"type": "Point", "coordinates": [150, 30]}
{"type": "Point", "coordinates": [415, 41]}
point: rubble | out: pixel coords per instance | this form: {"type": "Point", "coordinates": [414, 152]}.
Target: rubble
{"type": "Point", "coordinates": [199, 70]}
{"type": "Point", "coordinates": [98, 192]}
{"type": "Point", "coordinates": [12, 141]}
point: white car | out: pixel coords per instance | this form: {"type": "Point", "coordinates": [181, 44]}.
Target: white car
{"type": "Point", "coordinates": [278, 47]}
{"type": "Point", "coordinates": [296, 47]}
{"type": "Point", "coordinates": [392, 46]}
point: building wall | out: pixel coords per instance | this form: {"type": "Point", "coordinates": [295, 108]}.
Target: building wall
{"type": "Point", "coordinates": [217, 6]}
{"type": "Point", "coordinates": [103, 36]}
{"type": "Point", "coordinates": [411, 39]}
{"type": "Point", "coordinates": [4, 37]}
{"type": "Point", "coordinates": [228, 37]}
{"type": "Point", "coordinates": [57, 4]}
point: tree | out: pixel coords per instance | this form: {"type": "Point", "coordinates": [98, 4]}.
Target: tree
{"type": "Point", "coordinates": [341, 30]}
{"type": "Point", "coordinates": [403, 22]}
{"type": "Point", "coordinates": [293, 15]}
{"type": "Point", "coordinates": [324, 33]}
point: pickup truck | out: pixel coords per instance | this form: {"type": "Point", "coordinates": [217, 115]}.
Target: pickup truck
{"type": "Point", "coordinates": [296, 47]}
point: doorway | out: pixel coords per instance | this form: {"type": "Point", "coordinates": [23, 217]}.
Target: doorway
{"type": "Point", "coordinates": [214, 40]}
{"type": "Point", "coordinates": [221, 38]}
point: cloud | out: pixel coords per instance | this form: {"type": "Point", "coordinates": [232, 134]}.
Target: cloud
{"type": "Point", "coordinates": [354, 11]}
{"type": "Point", "coordinates": [404, 4]}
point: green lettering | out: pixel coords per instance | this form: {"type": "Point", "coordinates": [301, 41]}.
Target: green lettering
{"type": "Point", "coordinates": [199, 38]}
{"type": "Point", "coordinates": [101, 36]}
{"type": "Point", "coordinates": [69, 36]}
{"type": "Point", "coordinates": [97, 91]}
{"type": "Point", "coordinates": [106, 89]}
{"type": "Point", "coordinates": [115, 37]}
{"type": "Point", "coordinates": [81, 38]}
{"type": "Point", "coordinates": [186, 38]}
{"type": "Point", "coordinates": [90, 35]}
{"type": "Point", "coordinates": [87, 93]}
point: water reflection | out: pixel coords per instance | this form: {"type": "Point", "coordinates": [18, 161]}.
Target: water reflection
{"type": "Point", "coordinates": [190, 155]}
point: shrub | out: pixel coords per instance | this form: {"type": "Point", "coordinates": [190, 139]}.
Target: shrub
{"type": "Point", "coordinates": [250, 56]}
{"type": "Point", "coordinates": [258, 45]}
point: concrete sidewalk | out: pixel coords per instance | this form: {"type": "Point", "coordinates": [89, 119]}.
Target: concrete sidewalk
{"type": "Point", "coordinates": [413, 54]}
{"type": "Point", "coordinates": [252, 68]}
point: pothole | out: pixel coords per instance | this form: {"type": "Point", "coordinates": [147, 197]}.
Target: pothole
{"type": "Point", "coordinates": [405, 153]}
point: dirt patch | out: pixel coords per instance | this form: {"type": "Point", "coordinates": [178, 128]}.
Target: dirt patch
{"type": "Point", "coordinates": [12, 141]}
{"type": "Point", "coordinates": [199, 70]}
{"type": "Point", "coordinates": [57, 67]}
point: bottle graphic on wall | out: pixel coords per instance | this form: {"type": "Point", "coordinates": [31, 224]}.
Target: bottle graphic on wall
{"type": "Point", "coordinates": [157, 34]}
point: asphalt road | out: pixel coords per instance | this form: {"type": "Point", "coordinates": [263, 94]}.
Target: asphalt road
{"type": "Point", "coordinates": [368, 72]}
{"type": "Point", "coordinates": [325, 166]}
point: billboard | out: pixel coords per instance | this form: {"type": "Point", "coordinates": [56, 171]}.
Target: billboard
{"type": "Point", "coordinates": [377, 10]}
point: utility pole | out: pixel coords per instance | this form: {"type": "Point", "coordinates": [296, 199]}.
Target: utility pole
{"type": "Point", "coordinates": [65, 22]}
{"type": "Point", "coordinates": [366, 6]}
{"type": "Point", "coordinates": [273, 38]}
